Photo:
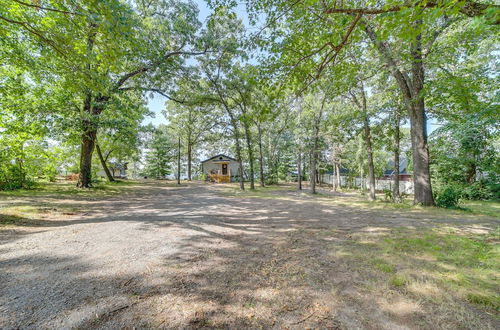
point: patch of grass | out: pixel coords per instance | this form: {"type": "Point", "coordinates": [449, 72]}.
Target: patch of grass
{"type": "Point", "coordinates": [398, 280]}
{"type": "Point", "coordinates": [384, 266]}
{"type": "Point", "coordinates": [68, 188]}
{"type": "Point", "coordinates": [461, 264]}
{"type": "Point", "coordinates": [489, 208]}
{"type": "Point", "coordinates": [492, 301]}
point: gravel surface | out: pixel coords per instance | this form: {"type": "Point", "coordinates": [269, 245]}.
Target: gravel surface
{"type": "Point", "coordinates": [182, 257]}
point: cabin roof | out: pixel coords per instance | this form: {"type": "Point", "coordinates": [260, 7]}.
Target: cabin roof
{"type": "Point", "coordinates": [218, 157]}
{"type": "Point", "coordinates": [403, 164]}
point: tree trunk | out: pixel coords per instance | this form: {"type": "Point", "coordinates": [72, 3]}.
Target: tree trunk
{"type": "Point", "coordinates": [395, 189]}
{"type": "Point", "coordinates": [337, 172]}
{"type": "Point", "coordinates": [299, 170]}
{"type": "Point", "coordinates": [312, 171]}
{"type": "Point", "coordinates": [314, 153]}
{"type": "Point", "coordinates": [411, 90]}
{"type": "Point", "coordinates": [238, 147]}
{"type": "Point", "coordinates": [334, 187]}
{"type": "Point", "coordinates": [179, 161]}
{"type": "Point", "coordinates": [421, 172]}
{"type": "Point", "coordinates": [103, 164]}
{"type": "Point", "coordinates": [261, 158]}
{"type": "Point", "coordinates": [250, 154]}
{"type": "Point", "coordinates": [367, 139]}
{"type": "Point", "coordinates": [189, 159]}
{"type": "Point", "coordinates": [369, 151]}
{"type": "Point", "coordinates": [471, 173]}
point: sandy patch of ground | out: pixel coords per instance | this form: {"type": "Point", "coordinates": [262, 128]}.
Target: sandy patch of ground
{"type": "Point", "coordinates": [192, 257]}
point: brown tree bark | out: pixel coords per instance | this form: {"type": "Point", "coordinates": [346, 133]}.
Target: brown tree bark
{"type": "Point", "coordinates": [236, 135]}
{"type": "Point", "coordinates": [337, 172]}
{"type": "Point", "coordinates": [261, 157]}
{"type": "Point", "coordinates": [189, 159]}
{"type": "Point", "coordinates": [103, 164]}
{"type": "Point", "coordinates": [314, 151]}
{"type": "Point", "coordinates": [179, 161]}
{"type": "Point", "coordinates": [248, 139]}
{"type": "Point", "coordinates": [368, 140]}
{"type": "Point", "coordinates": [299, 170]}
{"type": "Point", "coordinates": [411, 90]}
{"type": "Point", "coordinates": [395, 188]}
{"type": "Point", "coordinates": [369, 151]}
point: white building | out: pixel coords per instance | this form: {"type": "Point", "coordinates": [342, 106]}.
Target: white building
{"type": "Point", "coordinates": [220, 168]}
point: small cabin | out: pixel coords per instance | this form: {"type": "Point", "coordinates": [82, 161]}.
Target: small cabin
{"type": "Point", "coordinates": [220, 168]}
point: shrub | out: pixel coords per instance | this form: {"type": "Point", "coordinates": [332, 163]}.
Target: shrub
{"type": "Point", "coordinates": [477, 191]}
{"type": "Point", "coordinates": [448, 196]}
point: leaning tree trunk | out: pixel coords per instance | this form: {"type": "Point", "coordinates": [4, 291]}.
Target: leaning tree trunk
{"type": "Point", "coordinates": [261, 158]}
{"type": "Point", "coordinates": [250, 154]}
{"type": "Point", "coordinates": [395, 189]}
{"type": "Point", "coordinates": [103, 164]}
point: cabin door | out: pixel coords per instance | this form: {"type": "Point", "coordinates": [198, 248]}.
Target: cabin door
{"type": "Point", "coordinates": [224, 169]}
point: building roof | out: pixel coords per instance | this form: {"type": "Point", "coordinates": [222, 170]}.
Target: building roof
{"type": "Point", "coordinates": [403, 164]}
{"type": "Point", "coordinates": [219, 157]}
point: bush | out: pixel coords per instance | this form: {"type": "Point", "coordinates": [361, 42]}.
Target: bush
{"type": "Point", "coordinates": [448, 196]}
{"type": "Point", "coordinates": [477, 191]}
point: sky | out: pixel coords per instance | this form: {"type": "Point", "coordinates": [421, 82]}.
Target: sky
{"type": "Point", "coordinates": [157, 103]}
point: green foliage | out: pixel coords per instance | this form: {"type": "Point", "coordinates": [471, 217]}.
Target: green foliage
{"type": "Point", "coordinates": [448, 196]}
{"type": "Point", "coordinates": [159, 155]}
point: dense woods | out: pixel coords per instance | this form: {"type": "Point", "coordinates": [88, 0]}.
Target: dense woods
{"type": "Point", "coordinates": [296, 90]}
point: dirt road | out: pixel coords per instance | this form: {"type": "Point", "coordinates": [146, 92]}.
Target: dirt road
{"type": "Point", "coordinates": [191, 257]}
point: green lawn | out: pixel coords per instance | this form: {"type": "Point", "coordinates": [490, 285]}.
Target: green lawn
{"type": "Point", "coordinates": [432, 263]}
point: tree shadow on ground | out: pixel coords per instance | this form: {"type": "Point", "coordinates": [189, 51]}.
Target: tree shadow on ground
{"type": "Point", "coordinates": [237, 263]}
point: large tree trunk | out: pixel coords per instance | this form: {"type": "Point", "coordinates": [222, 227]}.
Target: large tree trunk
{"type": "Point", "coordinates": [87, 148]}
{"type": "Point", "coordinates": [395, 189]}
{"type": "Point", "coordinates": [103, 164]}
{"type": "Point", "coordinates": [261, 158]}
{"type": "Point", "coordinates": [421, 172]}
{"type": "Point", "coordinates": [412, 89]}
{"type": "Point", "coordinates": [250, 154]}
{"type": "Point", "coordinates": [418, 121]}
{"type": "Point", "coordinates": [87, 145]}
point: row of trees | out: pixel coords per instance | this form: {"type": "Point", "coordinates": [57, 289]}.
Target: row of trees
{"type": "Point", "coordinates": [321, 85]}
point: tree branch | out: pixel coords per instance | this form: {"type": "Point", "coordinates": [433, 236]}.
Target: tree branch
{"type": "Point", "coordinates": [470, 9]}
{"type": "Point", "coordinates": [33, 5]}
{"type": "Point", "coordinates": [153, 65]}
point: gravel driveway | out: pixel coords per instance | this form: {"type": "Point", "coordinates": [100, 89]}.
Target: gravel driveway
{"type": "Point", "coordinates": [187, 257]}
